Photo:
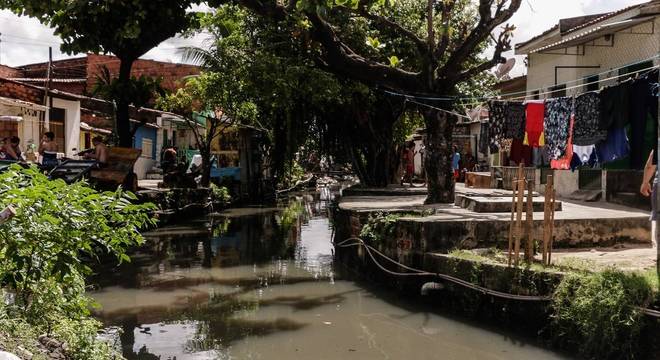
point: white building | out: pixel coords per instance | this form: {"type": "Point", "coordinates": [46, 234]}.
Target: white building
{"type": "Point", "coordinates": [577, 52]}
{"type": "Point", "coordinates": [587, 53]}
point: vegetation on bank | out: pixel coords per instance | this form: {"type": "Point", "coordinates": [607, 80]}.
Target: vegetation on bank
{"type": "Point", "coordinates": [594, 310]}
{"type": "Point", "coordinates": [44, 255]}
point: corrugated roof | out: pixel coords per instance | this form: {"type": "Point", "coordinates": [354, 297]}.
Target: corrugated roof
{"type": "Point", "coordinates": [43, 80]}
{"type": "Point", "coordinates": [590, 20]}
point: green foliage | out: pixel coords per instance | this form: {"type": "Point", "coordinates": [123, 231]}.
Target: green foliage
{"type": "Point", "coordinates": [220, 194]}
{"type": "Point", "coordinates": [596, 313]}
{"type": "Point", "coordinates": [45, 249]}
{"type": "Point", "coordinates": [126, 28]}
{"type": "Point", "coordinates": [291, 215]}
{"type": "Point", "coordinates": [379, 227]}
{"type": "Point", "coordinates": [141, 91]}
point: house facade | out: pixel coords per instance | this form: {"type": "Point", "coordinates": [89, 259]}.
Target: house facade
{"type": "Point", "coordinates": [587, 53]}
{"type": "Point", "coordinates": [578, 52]}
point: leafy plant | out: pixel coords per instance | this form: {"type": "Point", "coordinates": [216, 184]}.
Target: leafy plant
{"type": "Point", "coordinates": [597, 313]}
{"type": "Point", "coordinates": [46, 248]}
{"type": "Point", "coordinates": [379, 226]}
{"type": "Point", "coordinates": [220, 194]}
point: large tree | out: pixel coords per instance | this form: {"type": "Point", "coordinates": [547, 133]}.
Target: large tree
{"type": "Point", "coordinates": [448, 40]}
{"type": "Point", "coordinates": [126, 28]}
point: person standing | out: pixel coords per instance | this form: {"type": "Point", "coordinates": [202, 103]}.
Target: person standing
{"type": "Point", "coordinates": [455, 162]}
{"type": "Point", "coordinates": [649, 188]}
{"type": "Point", "coordinates": [409, 163]}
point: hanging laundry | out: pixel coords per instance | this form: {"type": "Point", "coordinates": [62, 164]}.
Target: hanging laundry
{"type": "Point", "coordinates": [615, 105]}
{"type": "Point", "coordinates": [564, 163]}
{"type": "Point", "coordinates": [534, 113]}
{"type": "Point", "coordinates": [520, 153]}
{"type": "Point", "coordinates": [555, 127]}
{"type": "Point", "coordinates": [614, 147]}
{"type": "Point", "coordinates": [643, 106]}
{"type": "Point", "coordinates": [515, 120]}
{"type": "Point", "coordinates": [496, 118]}
{"type": "Point", "coordinates": [585, 154]}
{"type": "Point", "coordinates": [484, 139]}
{"type": "Point", "coordinates": [586, 129]}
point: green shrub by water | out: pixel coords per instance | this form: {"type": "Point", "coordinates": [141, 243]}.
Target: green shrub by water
{"type": "Point", "coordinates": [44, 254]}
{"type": "Point", "coordinates": [596, 313]}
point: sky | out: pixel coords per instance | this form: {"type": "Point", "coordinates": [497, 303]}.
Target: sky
{"type": "Point", "coordinates": [24, 40]}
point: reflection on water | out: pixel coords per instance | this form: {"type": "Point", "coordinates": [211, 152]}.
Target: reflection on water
{"type": "Point", "coordinates": [259, 284]}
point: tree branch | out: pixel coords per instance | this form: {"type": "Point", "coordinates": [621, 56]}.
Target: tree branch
{"type": "Point", "coordinates": [502, 44]}
{"type": "Point", "coordinates": [487, 23]}
{"type": "Point", "coordinates": [443, 43]}
{"type": "Point", "coordinates": [384, 22]}
{"type": "Point", "coordinates": [344, 60]}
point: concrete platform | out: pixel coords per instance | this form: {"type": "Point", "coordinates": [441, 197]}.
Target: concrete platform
{"type": "Point", "coordinates": [498, 204]}
{"type": "Point", "coordinates": [579, 224]}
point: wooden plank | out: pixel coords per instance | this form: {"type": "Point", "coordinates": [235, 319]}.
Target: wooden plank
{"type": "Point", "coordinates": [529, 221]}
{"type": "Point", "coordinates": [514, 186]}
{"type": "Point", "coordinates": [552, 226]}
{"type": "Point", "coordinates": [546, 218]}
{"type": "Point", "coordinates": [519, 209]}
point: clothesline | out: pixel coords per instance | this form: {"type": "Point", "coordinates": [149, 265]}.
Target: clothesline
{"type": "Point", "coordinates": [454, 98]}
{"type": "Point", "coordinates": [439, 109]}
{"type": "Point", "coordinates": [410, 98]}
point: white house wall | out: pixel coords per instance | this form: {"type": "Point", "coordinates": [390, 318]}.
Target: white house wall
{"type": "Point", "coordinates": [628, 48]}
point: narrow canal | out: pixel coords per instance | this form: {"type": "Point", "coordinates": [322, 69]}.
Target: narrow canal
{"type": "Point", "coordinates": [261, 284]}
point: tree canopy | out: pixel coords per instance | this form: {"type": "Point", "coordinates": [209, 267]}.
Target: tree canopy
{"type": "Point", "coordinates": [411, 47]}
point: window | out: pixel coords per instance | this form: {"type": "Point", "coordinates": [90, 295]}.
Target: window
{"type": "Point", "coordinates": [633, 68]}
{"type": "Point", "coordinates": [88, 141]}
{"type": "Point", "coordinates": [558, 91]}
{"type": "Point", "coordinates": [147, 148]}
{"type": "Point", "coordinates": [56, 124]}
{"type": "Point", "coordinates": [8, 129]}
{"type": "Point", "coordinates": [535, 94]}
{"type": "Point", "coordinates": [591, 83]}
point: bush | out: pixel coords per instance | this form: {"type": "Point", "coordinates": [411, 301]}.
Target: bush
{"type": "Point", "coordinates": [597, 313]}
{"type": "Point", "coordinates": [45, 248]}
{"type": "Point", "coordinates": [220, 194]}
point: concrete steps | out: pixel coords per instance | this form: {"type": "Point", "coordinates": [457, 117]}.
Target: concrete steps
{"type": "Point", "coordinates": [498, 204]}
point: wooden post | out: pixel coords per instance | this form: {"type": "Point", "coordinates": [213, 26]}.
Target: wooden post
{"type": "Point", "coordinates": [514, 186]}
{"type": "Point", "coordinates": [529, 220]}
{"type": "Point", "coordinates": [552, 225]}
{"type": "Point", "coordinates": [519, 209]}
{"type": "Point", "coordinates": [549, 185]}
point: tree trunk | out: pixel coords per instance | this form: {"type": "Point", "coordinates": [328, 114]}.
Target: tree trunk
{"type": "Point", "coordinates": [439, 174]}
{"type": "Point", "coordinates": [123, 117]}
{"type": "Point", "coordinates": [206, 169]}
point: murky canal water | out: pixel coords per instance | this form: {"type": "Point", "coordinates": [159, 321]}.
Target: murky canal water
{"type": "Point", "coordinates": [260, 284]}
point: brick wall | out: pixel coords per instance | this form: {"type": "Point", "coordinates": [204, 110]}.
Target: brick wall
{"type": "Point", "coordinates": [9, 72]}
{"type": "Point", "coordinates": [171, 73]}
{"type": "Point", "coordinates": [15, 90]}
{"type": "Point", "coordinates": [68, 68]}
{"type": "Point", "coordinates": [90, 66]}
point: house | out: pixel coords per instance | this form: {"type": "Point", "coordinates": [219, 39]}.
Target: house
{"type": "Point", "coordinates": [75, 117]}
{"type": "Point", "coordinates": [511, 88]}
{"type": "Point", "coordinates": [575, 53]}
{"type": "Point", "coordinates": [586, 53]}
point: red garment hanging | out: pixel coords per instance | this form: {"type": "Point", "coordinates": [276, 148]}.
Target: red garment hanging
{"type": "Point", "coordinates": [565, 162]}
{"type": "Point", "coordinates": [534, 114]}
